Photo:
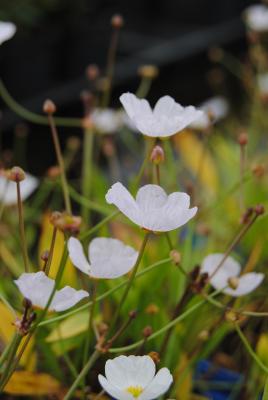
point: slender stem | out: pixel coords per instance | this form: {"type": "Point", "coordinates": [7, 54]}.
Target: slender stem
{"type": "Point", "coordinates": [157, 170]}
{"type": "Point", "coordinates": [51, 250]}
{"type": "Point", "coordinates": [131, 280]}
{"type": "Point", "coordinates": [242, 173]}
{"type": "Point", "coordinates": [33, 117]}
{"type": "Point", "coordinates": [7, 350]}
{"type": "Point", "coordinates": [249, 349]}
{"type": "Point", "coordinates": [11, 355]}
{"type": "Point", "coordinates": [87, 174]}
{"type": "Point", "coordinates": [22, 229]}
{"type": "Point", "coordinates": [64, 182]}
{"type": "Point", "coordinates": [82, 374]}
{"type": "Point", "coordinates": [144, 87]}
{"type": "Point", "coordinates": [95, 228]}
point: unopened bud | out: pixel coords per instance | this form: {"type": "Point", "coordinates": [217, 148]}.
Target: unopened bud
{"type": "Point", "coordinates": [16, 174]}
{"type": "Point", "coordinates": [152, 309]}
{"type": "Point", "coordinates": [203, 335]}
{"type": "Point", "coordinates": [259, 209]}
{"type": "Point", "coordinates": [258, 170]}
{"type": "Point", "coordinates": [155, 357]}
{"type": "Point", "coordinates": [175, 256]}
{"type": "Point", "coordinates": [147, 331]}
{"type": "Point", "coordinates": [148, 71]}
{"type": "Point", "coordinates": [102, 328]}
{"type": "Point", "coordinates": [117, 21]}
{"type": "Point", "coordinates": [231, 316]}
{"type": "Point", "coordinates": [233, 282]}
{"type": "Point", "coordinates": [66, 222]}
{"type": "Point", "coordinates": [45, 256]}
{"type": "Point", "coordinates": [242, 139]}
{"type": "Point", "coordinates": [132, 314]}
{"type": "Point", "coordinates": [157, 155]}
{"type": "Point", "coordinates": [92, 72]}
{"type": "Point", "coordinates": [49, 107]}
{"type": "Point", "coordinates": [53, 172]}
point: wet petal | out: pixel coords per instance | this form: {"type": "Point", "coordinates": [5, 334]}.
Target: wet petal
{"type": "Point", "coordinates": [77, 256]}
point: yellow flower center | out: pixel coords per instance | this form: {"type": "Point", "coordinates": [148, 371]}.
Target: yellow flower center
{"type": "Point", "coordinates": [135, 390]}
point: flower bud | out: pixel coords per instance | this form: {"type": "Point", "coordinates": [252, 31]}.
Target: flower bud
{"type": "Point", "coordinates": [16, 174]}
{"type": "Point", "coordinates": [147, 331]}
{"type": "Point", "coordinates": [242, 139]}
{"type": "Point", "coordinates": [66, 222]}
{"type": "Point", "coordinates": [259, 209]}
{"type": "Point", "coordinates": [132, 314]}
{"type": "Point", "coordinates": [152, 309]}
{"type": "Point", "coordinates": [53, 172]}
{"type": "Point", "coordinates": [117, 21]}
{"type": "Point", "coordinates": [233, 282]}
{"type": "Point", "coordinates": [49, 107]}
{"type": "Point", "coordinates": [157, 155]}
{"type": "Point", "coordinates": [155, 357]}
{"type": "Point", "coordinates": [175, 256]}
{"type": "Point", "coordinates": [148, 71]}
{"type": "Point", "coordinates": [258, 170]}
{"type": "Point", "coordinates": [203, 335]}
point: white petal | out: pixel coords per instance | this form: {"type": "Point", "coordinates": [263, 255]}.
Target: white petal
{"type": "Point", "coordinates": [36, 287]}
{"type": "Point", "coordinates": [122, 199]}
{"type": "Point", "coordinates": [135, 107]}
{"type": "Point", "coordinates": [7, 30]}
{"type": "Point", "coordinates": [247, 283]}
{"type": "Point", "coordinates": [166, 105]}
{"type": "Point", "coordinates": [151, 197]}
{"type": "Point", "coordinates": [143, 369]}
{"type": "Point", "coordinates": [110, 258]}
{"type": "Point", "coordinates": [67, 298]}
{"type": "Point", "coordinates": [113, 391]}
{"type": "Point", "coordinates": [158, 386]}
{"type": "Point", "coordinates": [230, 268]}
{"type": "Point", "coordinates": [257, 17]}
{"type": "Point", "coordinates": [106, 120]}
{"type": "Point", "coordinates": [77, 256]}
{"type": "Point", "coordinates": [8, 189]}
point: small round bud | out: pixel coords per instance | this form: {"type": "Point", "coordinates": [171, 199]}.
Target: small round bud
{"type": "Point", "coordinates": [92, 72]}
{"type": "Point", "coordinates": [117, 21]}
{"type": "Point", "coordinates": [66, 222]}
{"type": "Point", "coordinates": [258, 170]}
{"type": "Point", "coordinates": [203, 335]}
{"type": "Point", "coordinates": [53, 172]}
{"type": "Point", "coordinates": [147, 331]}
{"type": "Point", "coordinates": [175, 256]}
{"type": "Point", "coordinates": [87, 122]}
{"type": "Point", "coordinates": [49, 107]}
{"type": "Point", "coordinates": [259, 209]}
{"type": "Point", "coordinates": [102, 328]}
{"type": "Point", "coordinates": [231, 316]}
{"type": "Point", "coordinates": [16, 174]}
{"type": "Point", "coordinates": [243, 139]}
{"type": "Point", "coordinates": [157, 155]}
{"type": "Point", "coordinates": [148, 71]}
{"type": "Point", "coordinates": [155, 357]}
{"type": "Point", "coordinates": [132, 314]}
{"type": "Point", "coordinates": [152, 309]}
{"type": "Point", "coordinates": [233, 282]}
{"type": "Point", "coordinates": [45, 256]}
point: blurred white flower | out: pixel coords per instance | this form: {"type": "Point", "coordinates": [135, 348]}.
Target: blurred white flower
{"type": "Point", "coordinates": [153, 209]}
{"type": "Point", "coordinates": [214, 109]}
{"type": "Point", "coordinates": [7, 30]}
{"type": "Point", "coordinates": [37, 287]}
{"type": "Point", "coordinates": [166, 119]}
{"type": "Point", "coordinates": [8, 189]}
{"type": "Point", "coordinates": [227, 277]}
{"type": "Point", "coordinates": [256, 17]}
{"type": "Point", "coordinates": [108, 258]}
{"type": "Point", "coordinates": [133, 377]}
{"type": "Point", "coordinates": [106, 120]}
{"type": "Point", "coordinates": [262, 83]}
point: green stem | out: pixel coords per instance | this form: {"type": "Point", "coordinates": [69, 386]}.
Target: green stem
{"type": "Point", "coordinates": [22, 229]}
{"type": "Point", "coordinates": [87, 171]}
{"type": "Point", "coordinates": [11, 355]}
{"type": "Point", "coordinates": [7, 350]}
{"type": "Point", "coordinates": [82, 374]}
{"type": "Point", "coordinates": [95, 228]}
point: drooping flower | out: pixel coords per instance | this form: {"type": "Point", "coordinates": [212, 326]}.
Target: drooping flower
{"type": "Point", "coordinates": [256, 17]}
{"type": "Point", "coordinates": [7, 31]}
{"type": "Point", "coordinates": [133, 377]}
{"type": "Point", "coordinates": [166, 119]}
{"type": "Point", "coordinates": [214, 109]}
{"type": "Point", "coordinates": [227, 278]}
{"type": "Point", "coordinates": [108, 258]}
{"type": "Point", "coordinates": [153, 209]}
{"type": "Point", "coordinates": [8, 190]}
{"type": "Point", "coordinates": [37, 288]}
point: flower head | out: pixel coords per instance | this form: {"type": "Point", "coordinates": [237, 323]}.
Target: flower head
{"type": "Point", "coordinates": [133, 377]}
{"type": "Point", "coordinates": [7, 30]}
{"type": "Point", "coordinates": [109, 258]}
{"type": "Point", "coordinates": [153, 209]}
{"type": "Point", "coordinates": [227, 277]}
{"type": "Point", "coordinates": [37, 288]}
{"type": "Point", "coordinates": [166, 119]}
{"type": "Point", "coordinates": [8, 190]}
{"type": "Point", "coordinates": [214, 109]}
{"type": "Point", "coordinates": [256, 17]}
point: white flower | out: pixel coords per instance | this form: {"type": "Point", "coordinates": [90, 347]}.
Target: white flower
{"type": "Point", "coordinates": [262, 83]}
{"type": "Point", "coordinates": [106, 120]}
{"type": "Point", "coordinates": [8, 189]}
{"type": "Point", "coordinates": [153, 209]}
{"type": "Point", "coordinates": [109, 258]}
{"type": "Point", "coordinates": [256, 17]}
{"type": "Point", "coordinates": [214, 109]}
{"type": "Point", "coordinates": [166, 119]}
{"type": "Point", "coordinates": [230, 269]}
{"type": "Point", "coordinates": [37, 287]}
{"type": "Point", "coordinates": [133, 377]}
{"type": "Point", "coordinates": [7, 30]}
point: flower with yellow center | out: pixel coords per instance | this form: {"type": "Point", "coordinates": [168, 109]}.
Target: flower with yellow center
{"type": "Point", "coordinates": [134, 377]}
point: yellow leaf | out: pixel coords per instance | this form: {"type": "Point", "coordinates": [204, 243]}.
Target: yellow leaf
{"type": "Point", "coordinates": [32, 384]}
{"type": "Point", "coordinates": [7, 330]}
{"type": "Point", "coordinates": [72, 326]}
{"type": "Point", "coordinates": [69, 276]}
{"type": "Point", "coordinates": [198, 159]}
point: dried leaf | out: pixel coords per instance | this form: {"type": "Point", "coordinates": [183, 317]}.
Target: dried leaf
{"type": "Point", "coordinates": [32, 384]}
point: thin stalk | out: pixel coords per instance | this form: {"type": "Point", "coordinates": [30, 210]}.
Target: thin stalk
{"type": "Point", "coordinates": [95, 228]}
{"type": "Point", "coordinates": [82, 374]}
{"type": "Point", "coordinates": [144, 87]}
{"type": "Point", "coordinates": [87, 174]}
{"type": "Point", "coordinates": [242, 173]}
{"type": "Point", "coordinates": [131, 280]}
{"type": "Point", "coordinates": [60, 160]}
{"type": "Point", "coordinates": [7, 350]}
{"type": "Point", "coordinates": [51, 250]}
{"type": "Point", "coordinates": [22, 229]}
{"type": "Point", "coordinates": [11, 355]}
